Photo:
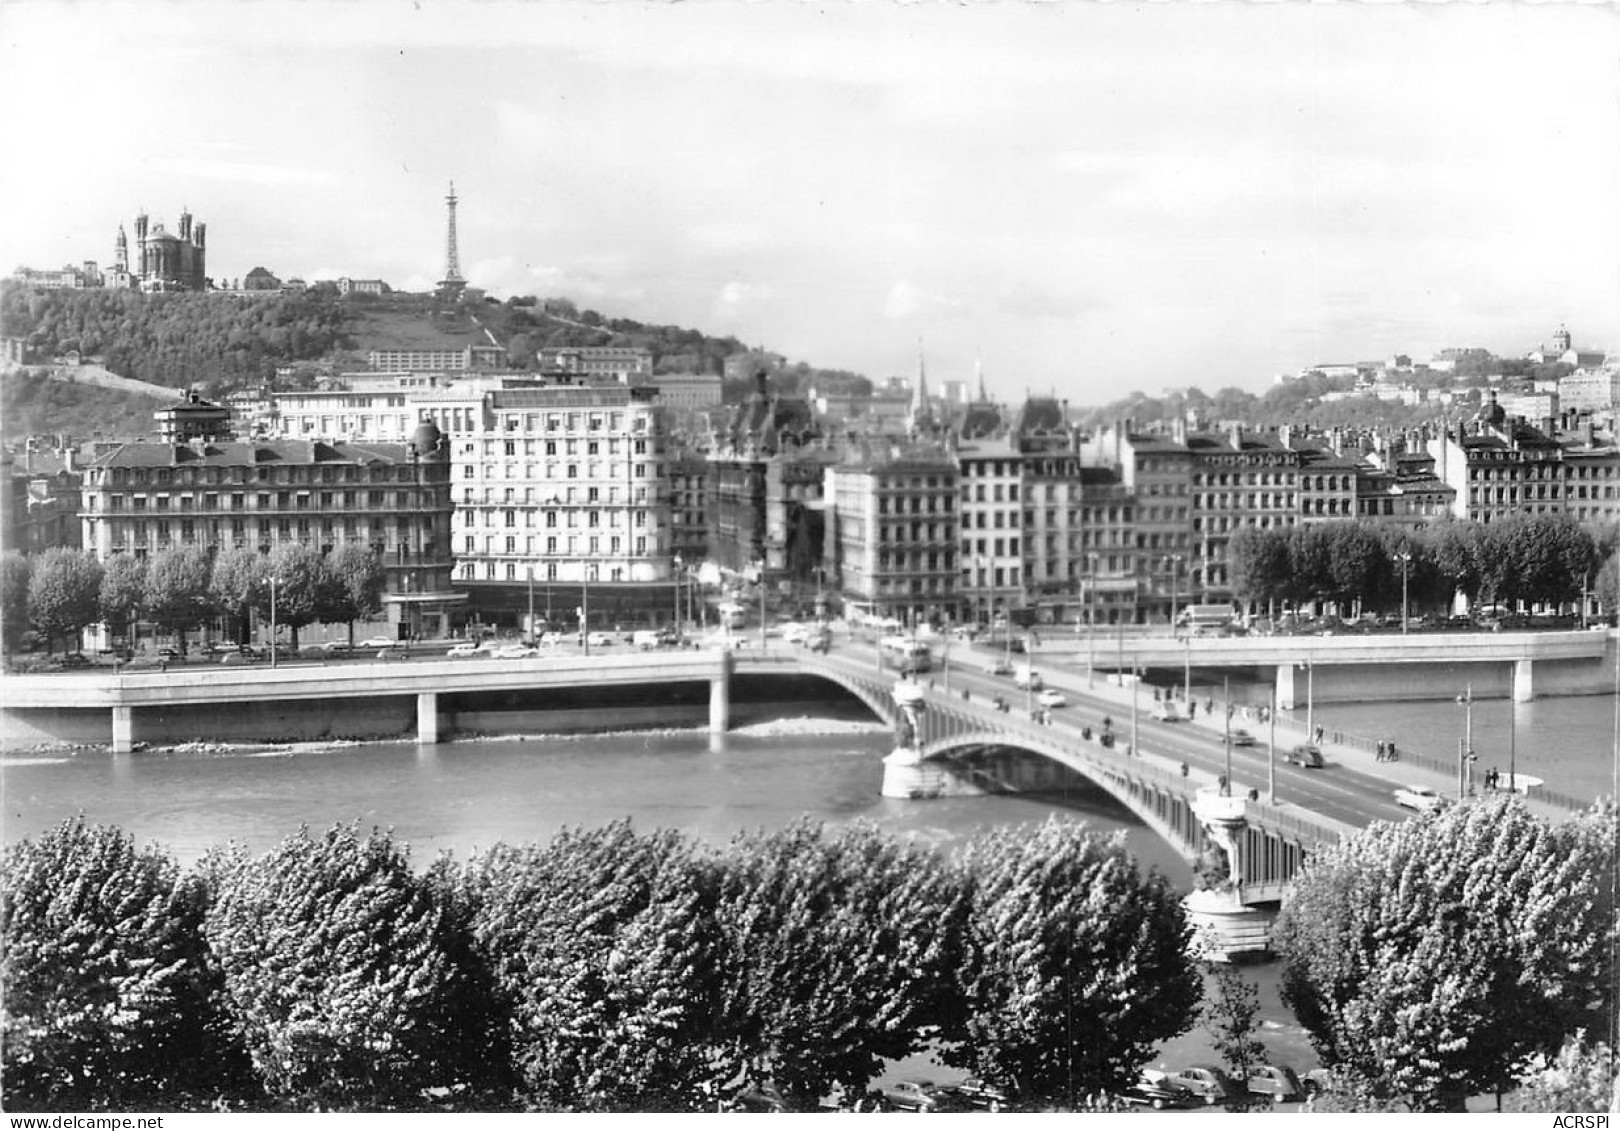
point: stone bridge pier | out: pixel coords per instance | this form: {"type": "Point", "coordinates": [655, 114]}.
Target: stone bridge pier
{"type": "Point", "coordinates": [1223, 924]}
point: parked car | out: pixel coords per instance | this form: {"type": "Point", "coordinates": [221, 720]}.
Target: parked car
{"type": "Point", "coordinates": [1168, 712]}
{"type": "Point", "coordinates": [1153, 1090]}
{"type": "Point", "coordinates": [1276, 1081]}
{"type": "Point", "coordinates": [1206, 1082]}
{"type": "Point", "coordinates": [999, 667]}
{"type": "Point", "coordinates": [921, 1096]}
{"type": "Point", "coordinates": [76, 660]}
{"type": "Point", "coordinates": [1306, 754]}
{"type": "Point", "coordinates": [552, 639]}
{"type": "Point", "coordinates": [601, 639]}
{"type": "Point", "coordinates": [337, 646]}
{"type": "Point", "coordinates": [1419, 798]}
{"type": "Point", "coordinates": [981, 1093]}
{"type": "Point", "coordinates": [172, 655]}
{"type": "Point", "coordinates": [1051, 698]}
{"type": "Point", "coordinates": [513, 652]}
{"type": "Point", "coordinates": [379, 642]}
{"type": "Point", "coordinates": [1241, 737]}
{"type": "Point", "coordinates": [462, 651]}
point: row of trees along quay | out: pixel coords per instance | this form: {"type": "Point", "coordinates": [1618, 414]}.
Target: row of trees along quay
{"type": "Point", "coordinates": [62, 591]}
{"type": "Point", "coordinates": [1448, 956]}
{"type": "Point", "coordinates": [1539, 559]}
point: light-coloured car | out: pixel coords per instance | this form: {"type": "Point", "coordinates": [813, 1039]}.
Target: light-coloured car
{"type": "Point", "coordinates": [1051, 697]}
{"type": "Point", "coordinates": [513, 652]}
{"type": "Point", "coordinates": [1420, 798]}
{"type": "Point", "coordinates": [379, 642]}
{"type": "Point", "coordinates": [601, 639]}
{"type": "Point", "coordinates": [552, 639]}
{"type": "Point", "coordinates": [999, 667]}
{"type": "Point", "coordinates": [462, 651]}
{"type": "Point", "coordinates": [1241, 737]}
{"type": "Point", "coordinates": [1167, 712]}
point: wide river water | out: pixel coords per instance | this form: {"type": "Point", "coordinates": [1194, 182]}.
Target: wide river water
{"type": "Point", "coordinates": [462, 797]}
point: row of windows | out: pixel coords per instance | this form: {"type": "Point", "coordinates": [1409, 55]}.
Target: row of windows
{"type": "Point", "coordinates": [141, 530]}
{"type": "Point", "coordinates": [265, 501]}
{"type": "Point", "coordinates": [304, 473]}
{"type": "Point", "coordinates": [930, 504]}
{"type": "Point", "coordinates": [551, 544]}
{"type": "Point", "coordinates": [468, 571]}
{"type": "Point", "coordinates": [571, 519]}
{"type": "Point", "coordinates": [473, 496]}
{"type": "Point", "coordinates": [570, 471]}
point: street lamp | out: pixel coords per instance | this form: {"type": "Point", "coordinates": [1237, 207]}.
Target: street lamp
{"type": "Point", "coordinates": [1310, 699]}
{"type": "Point", "coordinates": [1465, 745]}
{"type": "Point", "coordinates": [273, 648]}
{"type": "Point", "coordinates": [1226, 734]}
{"type": "Point", "coordinates": [675, 589]}
{"type": "Point", "coordinates": [1175, 588]}
{"type": "Point", "coordinates": [1271, 751]}
{"type": "Point", "coordinates": [531, 605]}
{"type": "Point", "coordinates": [1091, 623]}
{"type": "Point", "coordinates": [1405, 559]}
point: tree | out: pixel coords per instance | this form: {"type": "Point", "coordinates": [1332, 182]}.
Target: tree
{"type": "Point", "coordinates": [122, 595]}
{"type": "Point", "coordinates": [234, 585]}
{"type": "Point", "coordinates": [1075, 966]}
{"type": "Point", "coordinates": [1259, 564]}
{"type": "Point", "coordinates": [1432, 957]}
{"type": "Point", "coordinates": [14, 573]}
{"type": "Point", "coordinates": [603, 946]}
{"type": "Point", "coordinates": [1231, 1016]}
{"type": "Point", "coordinates": [109, 998]}
{"type": "Point", "coordinates": [64, 592]}
{"type": "Point", "coordinates": [1580, 1077]}
{"type": "Point", "coordinates": [337, 975]}
{"type": "Point", "coordinates": [177, 589]}
{"type": "Point", "coordinates": [301, 585]}
{"type": "Point", "coordinates": [355, 578]}
{"type": "Point", "coordinates": [838, 949]}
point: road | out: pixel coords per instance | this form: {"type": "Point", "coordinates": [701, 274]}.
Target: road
{"type": "Point", "coordinates": [1339, 791]}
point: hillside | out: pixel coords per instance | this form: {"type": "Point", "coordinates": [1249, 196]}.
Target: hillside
{"type": "Point", "coordinates": [34, 402]}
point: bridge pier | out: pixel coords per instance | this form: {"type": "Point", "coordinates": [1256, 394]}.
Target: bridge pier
{"type": "Point", "coordinates": [1286, 698]}
{"type": "Point", "coordinates": [427, 717]}
{"type": "Point", "coordinates": [123, 730]}
{"type": "Point", "coordinates": [906, 773]}
{"type": "Point", "coordinates": [1223, 925]}
{"type": "Point", "coordinates": [1524, 684]}
{"type": "Point", "coordinates": [720, 697]}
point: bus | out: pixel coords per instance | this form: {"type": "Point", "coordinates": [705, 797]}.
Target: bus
{"type": "Point", "coordinates": [908, 655]}
{"type": "Point", "coordinates": [1206, 618]}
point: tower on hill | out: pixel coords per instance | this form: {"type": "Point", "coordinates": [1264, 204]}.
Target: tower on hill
{"type": "Point", "coordinates": [452, 284]}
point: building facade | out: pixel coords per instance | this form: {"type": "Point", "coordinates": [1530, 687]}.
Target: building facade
{"type": "Point", "coordinates": [892, 539]}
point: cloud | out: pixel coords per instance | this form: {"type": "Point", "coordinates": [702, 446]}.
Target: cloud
{"type": "Point", "coordinates": [738, 301]}
{"type": "Point", "coordinates": [907, 300]}
{"type": "Point", "coordinates": [251, 172]}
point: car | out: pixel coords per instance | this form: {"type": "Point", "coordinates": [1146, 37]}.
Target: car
{"type": "Point", "coordinates": [337, 646]}
{"type": "Point", "coordinates": [552, 639]}
{"type": "Point", "coordinates": [1168, 712]}
{"type": "Point", "coordinates": [1307, 755]}
{"type": "Point", "coordinates": [513, 652]}
{"type": "Point", "coordinates": [980, 1093]}
{"type": "Point", "coordinates": [462, 651]}
{"type": "Point", "coordinates": [1419, 798]}
{"type": "Point", "coordinates": [1153, 1090]}
{"type": "Point", "coordinates": [1205, 1081]}
{"type": "Point", "coordinates": [76, 660]}
{"type": "Point", "coordinates": [1241, 737]}
{"type": "Point", "coordinates": [1051, 698]}
{"type": "Point", "coordinates": [601, 639]}
{"type": "Point", "coordinates": [1000, 667]}
{"type": "Point", "coordinates": [379, 642]}
{"type": "Point", "coordinates": [1276, 1081]}
{"type": "Point", "coordinates": [170, 654]}
{"type": "Point", "coordinates": [1315, 1082]}
{"type": "Point", "coordinates": [249, 652]}
{"type": "Point", "coordinates": [794, 633]}
{"type": "Point", "coordinates": [921, 1096]}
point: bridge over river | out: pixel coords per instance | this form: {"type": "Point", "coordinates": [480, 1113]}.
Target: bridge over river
{"type": "Point", "coordinates": [1181, 781]}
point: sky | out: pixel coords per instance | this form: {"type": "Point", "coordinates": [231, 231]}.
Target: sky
{"type": "Point", "coordinates": [1085, 199]}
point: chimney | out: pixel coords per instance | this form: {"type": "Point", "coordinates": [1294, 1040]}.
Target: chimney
{"type": "Point", "coordinates": [1285, 436]}
{"type": "Point", "coordinates": [70, 459]}
{"type": "Point", "coordinates": [1236, 433]}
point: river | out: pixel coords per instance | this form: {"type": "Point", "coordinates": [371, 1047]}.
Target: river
{"type": "Point", "coordinates": [462, 797]}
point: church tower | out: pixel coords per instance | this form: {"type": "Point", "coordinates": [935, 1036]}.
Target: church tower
{"type": "Point", "coordinates": [921, 418]}
{"type": "Point", "coordinates": [121, 251]}
{"type": "Point", "coordinates": [1561, 341]}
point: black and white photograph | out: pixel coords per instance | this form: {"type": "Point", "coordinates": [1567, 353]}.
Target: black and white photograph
{"type": "Point", "coordinates": [584, 558]}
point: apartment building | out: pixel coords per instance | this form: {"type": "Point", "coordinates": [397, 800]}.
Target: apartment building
{"type": "Point", "coordinates": [892, 538]}
{"type": "Point", "coordinates": [141, 498]}
{"type": "Point", "coordinates": [990, 488]}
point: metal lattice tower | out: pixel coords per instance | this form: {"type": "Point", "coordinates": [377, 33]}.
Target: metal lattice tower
{"type": "Point", "coordinates": [452, 284]}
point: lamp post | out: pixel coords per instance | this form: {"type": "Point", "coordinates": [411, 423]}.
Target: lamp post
{"type": "Point", "coordinates": [1310, 700]}
{"type": "Point", "coordinates": [273, 648]}
{"type": "Point", "coordinates": [1136, 683]}
{"type": "Point", "coordinates": [1513, 729]}
{"type": "Point", "coordinates": [1465, 749]}
{"type": "Point", "coordinates": [1226, 734]}
{"type": "Point", "coordinates": [1405, 559]}
{"type": "Point", "coordinates": [675, 590]}
{"type": "Point", "coordinates": [1091, 623]}
{"type": "Point", "coordinates": [1271, 751]}
{"type": "Point", "coordinates": [1186, 668]}
{"type": "Point", "coordinates": [762, 606]}
{"type": "Point", "coordinates": [530, 641]}
{"type": "Point", "coordinates": [1175, 588]}
{"type": "Point", "coordinates": [585, 609]}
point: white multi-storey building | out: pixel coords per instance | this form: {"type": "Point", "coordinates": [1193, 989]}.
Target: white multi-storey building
{"type": "Point", "coordinates": [568, 481]}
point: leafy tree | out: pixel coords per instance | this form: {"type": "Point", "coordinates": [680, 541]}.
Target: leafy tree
{"type": "Point", "coordinates": [1075, 966]}
{"type": "Point", "coordinates": [109, 996]}
{"type": "Point", "coordinates": [1455, 547]}
{"type": "Point", "coordinates": [337, 974]}
{"type": "Point", "coordinates": [178, 596]}
{"type": "Point", "coordinates": [1581, 1077]}
{"type": "Point", "coordinates": [1231, 1016]}
{"type": "Point", "coordinates": [302, 584]}
{"type": "Point", "coordinates": [14, 573]}
{"type": "Point", "coordinates": [1259, 564]}
{"type": "Point", "coordinates": [1310, 563]}
{"type": "Point", "coordinates": [1432, 957]}
{"type": "Point", "coordinates": [234, 585]}
{"type": "Point", "coordinates": [603, 945]}
{"type": "Point", "coordinates": [122, 596]}
{"type": "Point", "coordinates": [838, 949]}
{"type": "Point", "coordinates": [355, 585]}
{"type": "Point", "coordinates": [64, 592]}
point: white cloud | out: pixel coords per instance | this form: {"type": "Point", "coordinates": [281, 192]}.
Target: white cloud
{"type": "Point", "coordinates": [250, 172]}
{"type": "Point", "coordinates": [738, 301]}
